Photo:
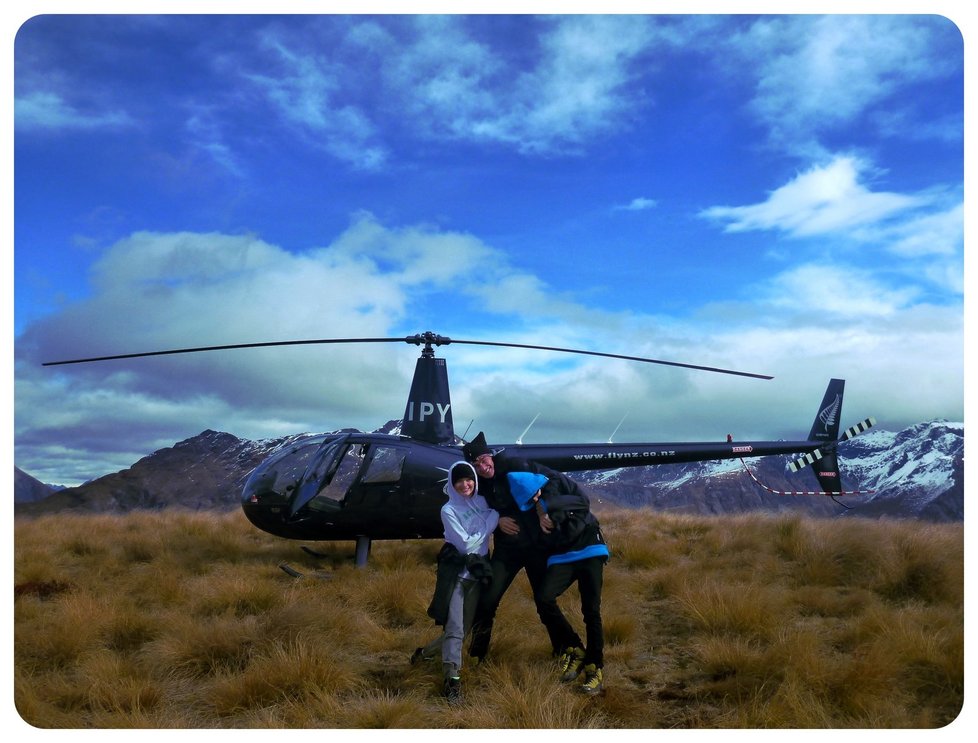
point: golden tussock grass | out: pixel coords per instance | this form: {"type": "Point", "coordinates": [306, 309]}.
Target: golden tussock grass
{"type": "Point", "coordinates": [179, 620]}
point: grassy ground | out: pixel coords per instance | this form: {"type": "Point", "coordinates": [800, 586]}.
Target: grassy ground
{"type": "Point", "coordinates": [176, 620]}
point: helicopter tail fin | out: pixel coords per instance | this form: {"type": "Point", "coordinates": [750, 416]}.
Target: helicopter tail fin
{"type": "Point", "coordinates": [824, 460]}
{"type": "Point", "coordinates": [428, 414]}
{"type": "Point", "coordinates": [825, 427]}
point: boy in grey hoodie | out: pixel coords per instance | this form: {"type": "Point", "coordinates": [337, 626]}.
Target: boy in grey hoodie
{"type": "Point", "coordinates": [468, 523]}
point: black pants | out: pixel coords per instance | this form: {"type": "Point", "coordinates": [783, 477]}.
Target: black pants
{"type": "Point", "coordinates": [589, 575]}
{"type": "Point", "coordinates": [507, 561]}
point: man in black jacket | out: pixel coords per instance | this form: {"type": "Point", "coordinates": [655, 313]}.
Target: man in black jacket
{"type": "Point", "coordinates": [576, 552]}
{"type": "Point", "coordinates": [516, 544]}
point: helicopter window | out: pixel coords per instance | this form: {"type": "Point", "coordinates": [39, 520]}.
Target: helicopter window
{"type": "Point", "coordinates": [345, 472]}
{"type": "Point", "coordinates": [280, 473]}
{"type": "Point", "coordinates": [321, 467]}
{"type": "Point", "coordinates": [385, 465]}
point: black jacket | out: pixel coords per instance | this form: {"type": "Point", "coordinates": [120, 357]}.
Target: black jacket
{"type": "Point", "coordinates": [451, 562]}
{"type": "Point", "coordinates": [497, 495]}
{"type": "Point", "coordinates": [575, 527]}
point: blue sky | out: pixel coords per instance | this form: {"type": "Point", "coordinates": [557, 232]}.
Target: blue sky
{"type": "Point", "coordinates": [778, 194]}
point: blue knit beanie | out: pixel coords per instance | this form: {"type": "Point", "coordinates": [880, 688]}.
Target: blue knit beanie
{"type": "Point", "coordinates": [523, 486]}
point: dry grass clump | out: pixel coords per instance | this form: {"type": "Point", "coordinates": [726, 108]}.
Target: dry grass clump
{"type": "Point", "coordinates": [178, 620]}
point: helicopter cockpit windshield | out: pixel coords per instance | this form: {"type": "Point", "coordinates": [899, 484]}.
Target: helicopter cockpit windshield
{"type": "Point", "coordinates": [344, 466]}
{"type": "Point", "coordinates": [319, 472]}
{"type": "Point", "coordinates": [281, 473]}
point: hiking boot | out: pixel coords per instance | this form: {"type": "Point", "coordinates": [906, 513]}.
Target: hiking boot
{"type": "Point", "coordinates": [569, 664]}
{"type": "Point", "coordinates": [453, 689]}
{"type": "Point", "coordinates": [593, 679]}
{"type": "Point", "coordinates": [417, 656]}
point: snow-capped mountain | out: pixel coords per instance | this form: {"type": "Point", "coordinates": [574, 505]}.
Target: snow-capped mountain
{"type": "Point", "coordinates": [917, 472]}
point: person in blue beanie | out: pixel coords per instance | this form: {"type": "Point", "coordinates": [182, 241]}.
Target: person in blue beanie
{"type": "Point", "coordinates": [516, 544]}
{"type": "Point", "coordinates": [577, 553]}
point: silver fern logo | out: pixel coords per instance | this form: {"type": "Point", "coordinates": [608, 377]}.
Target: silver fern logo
{"type": "Point", "coordinates": [830, 414]}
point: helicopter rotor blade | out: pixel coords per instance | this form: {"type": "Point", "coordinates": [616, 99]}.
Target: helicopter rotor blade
{"type": "Point", "coordinates": [428, 338]}
{"type": "Point", "coordinates": [619, 356]}
{"type": "Point", "coordinates": [266, 344]}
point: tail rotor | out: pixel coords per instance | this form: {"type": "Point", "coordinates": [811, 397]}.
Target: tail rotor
{"type": "Point", "coordinates": [824, 459]}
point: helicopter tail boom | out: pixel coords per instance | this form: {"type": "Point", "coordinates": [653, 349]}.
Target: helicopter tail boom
{"type": "Point", "coordinates": [817, 451]}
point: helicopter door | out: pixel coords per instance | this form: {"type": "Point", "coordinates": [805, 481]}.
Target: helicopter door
{"type": "Point", "coordinates": [341, 468]}
{"type": "Point", "coordinates": [379, 489]}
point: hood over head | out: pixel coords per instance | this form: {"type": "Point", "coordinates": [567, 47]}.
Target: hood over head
{"type": "Point", "coordinates": [459, 468]}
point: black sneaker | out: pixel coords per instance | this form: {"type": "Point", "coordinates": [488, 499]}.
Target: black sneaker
{"type": "Point", "coordinates": [417, 656]}
{"type": "Point", "coordinates": [453, 689]}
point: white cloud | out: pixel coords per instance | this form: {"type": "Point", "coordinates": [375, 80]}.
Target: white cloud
{"type": "Point", "coordinates": [441, 77]}
{"type": "Point", "coordinates": [638, 204]}
{"type": "Point", "coordinates": [575, 78]}
{"type": "Point", "coordinates": [930, 235]}
{"type": "Point", "coordinates": [580, 88]}
{"type": "Point", "coordinates": [575, 88]}
{"type": "Point", "coordinates": [307, 92]}
{"type": "Point", "coordinates": [825, 199]}
{"type": "Point", "coordinates": [420, 255]}
{"type": "Point", "coordinates": [835, 292]}
{"type": "Point", "coordinates": [357, 86]}
{"type": "Point", "coordinates": [815, 73]}
{"type": "Point", "coordinates": [917, 239]}
{"type": "Point", "coordinates": [204, 130]}
{"type": "Point", "coordinates": [435, 79]}
{"type": "Point", "coordinates": [47, 110]}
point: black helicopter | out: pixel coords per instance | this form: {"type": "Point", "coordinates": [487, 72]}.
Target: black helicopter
{"type": "Point", "coordinates": [366, 486]}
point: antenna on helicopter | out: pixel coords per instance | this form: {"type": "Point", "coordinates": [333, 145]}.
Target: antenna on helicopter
{"type": "Point", "coordinates": [612, 436]}
{"type": "Point", "coordinates": [519, 441]}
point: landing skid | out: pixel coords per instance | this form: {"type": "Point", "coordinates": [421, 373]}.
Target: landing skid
{"type": "Point", "coordinates": [289, 570]}
{"type": "Point", "coordinates": [830, 494]}
{"type": "Point", "coordinates": [362, 552]}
